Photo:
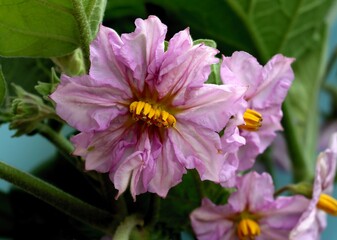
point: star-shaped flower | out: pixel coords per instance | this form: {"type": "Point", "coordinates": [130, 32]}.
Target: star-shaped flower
{"type": "Point", "coordinates": [313, 220]}
{"type": "Point", "coordinates": [144, 114]}
{"type": "Point", "coordinates": [267, 88]}
{"type": "Point", "coordinates": [251, 213]}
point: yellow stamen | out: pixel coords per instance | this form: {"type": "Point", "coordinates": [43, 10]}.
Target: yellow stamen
{"type": "Point", "coordinates": [139, 107]}
{"type": "Point", "coordinates": [328, 204]}
{"type": "Point", "coordinates": [253, 120]}
{"type": "Point", "coordinates": [171, 120]}
{"type": "Point", "coordinates": [248, 229]}
{"type": "Point", "coordinates": [147, 108]}
{"type": "Point", "coordinates": [164, 115]}
{"type": "Point", "coordinates": [151, 115]}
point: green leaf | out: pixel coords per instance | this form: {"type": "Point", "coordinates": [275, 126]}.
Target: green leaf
{"type": "Point", "coordinates": [260, 27]}
{"type": "Point", "coordinates": [207, 42]}
{"type": "Point", "coordinates": [25, 72]}
{"type": "Point", "coordinates": [214, 77]}
{"type": "Point", "coordinates": [301, 105]}
{"type": "Point", "coordinates": [94, 10]}
{"type": "Point", "coordinates": [3, 88]}
{"type": "Point", "coordinates": [122, 8]}
{"type": "Point", "coordinates": [121, 14]}
{"type": "Point", "coordinates": [181, 201]}
{"type": "Point", "coordinates": [40, 28]}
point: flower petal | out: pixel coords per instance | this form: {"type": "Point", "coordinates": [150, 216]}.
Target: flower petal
{"type": "Point", "coordinates": [197, 147]}
{"type": "Point", "coordinates": [106, 67]}
{"type": "Point", "coordinates": [281, 216]}
{"type": "Point", "coordinates": [247, 153]}
{"type": "Point", "coordinates": [209, 222]}
{"type": "Point", "coordinates": [326, 165]}
{"type": "Point", "coordinates": [103, 150]}
{"type": "Point", "coordinates": [184, 66]}
{"type": "Point", "coordinates": [126, 172]}
{"type": "Point", "coordinates": [168, 170]}
{"type": "Point", "coordinates": [211, 106]}
{"type": "Point", "coordinates": [242, 69]}
{"type": "Point", "coordinates": [254, 191]}
{"type": "Point", "coordinates": [87, 105]}
{"type": "Point", "coordinates": [143, 49]}
{"type": "Point", "coordinates": [277, 77]}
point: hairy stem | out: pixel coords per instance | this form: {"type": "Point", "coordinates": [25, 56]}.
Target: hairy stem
{"type": "Point", "coordinates": [68, 204]}
{"type": "Point", "coordinates": [124, 230]}
{"type": "Point", "coordinates": [84, 29]}
{"type": "Point", "coordinates": [56, 138]}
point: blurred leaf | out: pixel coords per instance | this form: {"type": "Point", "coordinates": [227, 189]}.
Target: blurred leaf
{"type": "Point", "coordinates": [40, 28]}
{"type": "Point", "coordinates": [3, 87]}
{"type": "Point", "coordinates": [186, 197]}
{"type": "Point", "coordinates": [302, 100]}
{"type": "Point", "coordinates": [179, 203]}
{"type": "Point", "coordinates": [6, 218]}
{"type": "Point", "coordinates": [122, 8]}
{"type": "Point", "coordinates": [25, 72]}
{"type": "Point", "coordinates": [121, 14]}
{"type": "Point", "coordinates": [216, 193]}
{"type": "Point", "coordinates": [260, 27]}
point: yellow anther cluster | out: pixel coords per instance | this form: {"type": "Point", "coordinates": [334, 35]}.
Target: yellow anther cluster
{"type": "Point", "coordinates": [253, 120]}
{"type": "Point", "coordinates": [328, 204]}
{"type": "Point", "coordinates": [248, 229]}
{"type": "Point", "coordinates": [151, 115]}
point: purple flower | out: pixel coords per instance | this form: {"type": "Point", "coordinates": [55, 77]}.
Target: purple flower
{"type": "Point", "coordinates": [313, 220]}
{"type": "Point", "coordinates": [267, 88]}
{"type": "Point", "coordinates": [144, 114]}
{"type": "Point", "coordinates": [251, 213]}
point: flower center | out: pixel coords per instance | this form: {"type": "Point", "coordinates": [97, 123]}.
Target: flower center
{"type": "Point", "coordinates": [327, 204]}
{"type": "Point", "coordinates": [248, 229]}
{"type": "Point", "coordinates": [253, 120]}
{"type": "Point", "coordinates": [151, 114]}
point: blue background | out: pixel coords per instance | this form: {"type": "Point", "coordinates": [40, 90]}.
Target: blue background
{"type": "Point", "coordinates": [26, 153]}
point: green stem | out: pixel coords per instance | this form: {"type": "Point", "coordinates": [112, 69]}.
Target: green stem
{"type": "Point", "coordinates": [124, 230]}
{"type": "Point", "coordinates": [280, 191]}
{"type": "Point", "coordinates": [56, 138]}
{"type": "Point", "coordinates": [84, 29]}
{"type": "Point", "coordinates": [59, 199]}
{"type": "Point", "coordinates": [301, 170]}
{"type": "Point", "coordinates": [61, 143]}
{"type": "Point", "coordinates": [247, 21]}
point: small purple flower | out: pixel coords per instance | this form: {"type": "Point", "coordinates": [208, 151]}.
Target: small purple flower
{"type": "Point", "coordinates": [267, 88]}
{"type": "Point", "coordinates": [251, 213]}
{"type": "Point", "coordinates": [313, 220]}
{"type": "Point", "coordinates": [144, 114]}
